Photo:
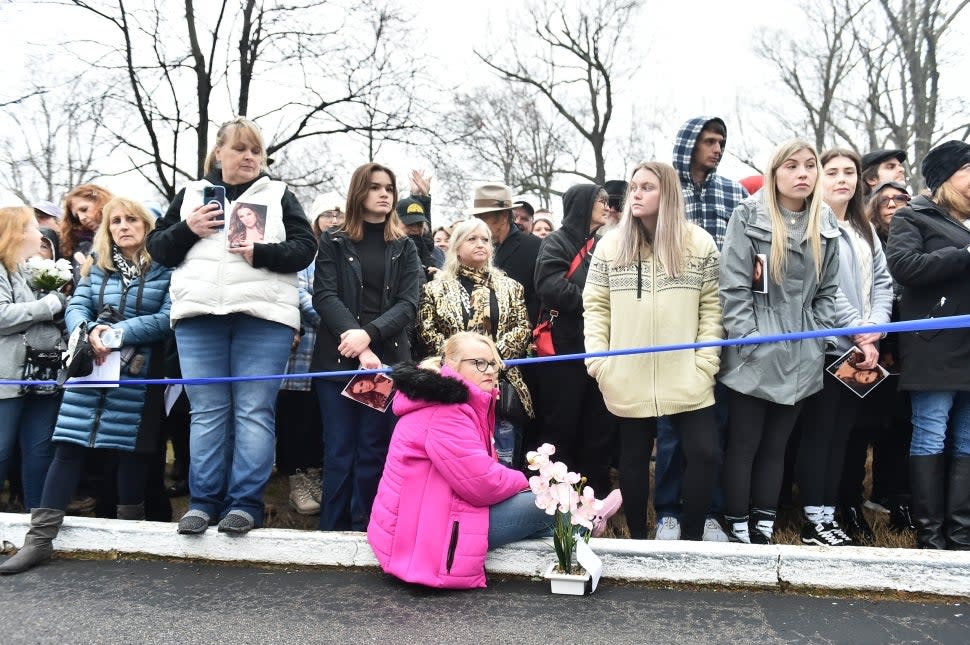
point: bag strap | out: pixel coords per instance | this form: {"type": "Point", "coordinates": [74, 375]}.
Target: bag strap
{"type": "Point", "coordinates": [573, 266]}
{"type": "Point", "coordinates": [580, 256]}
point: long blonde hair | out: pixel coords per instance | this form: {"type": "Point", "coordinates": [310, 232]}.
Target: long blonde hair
{"type": "Point", "coordinates": [459, 234]}
{"type": "Point", "coordinates": [13, 224]}
{"type": "Point", "coordinates": [779, 229]}
{"type": "Point", "coordinates": [103, 241]}
{"type": "Point", "coordinates": [671, 235]}
{"type": "Point", "coordinates": [451, 347]}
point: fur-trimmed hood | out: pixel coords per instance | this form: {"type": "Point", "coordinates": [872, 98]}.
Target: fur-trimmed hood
{"type": "Point", "coordinates": [418, 387]}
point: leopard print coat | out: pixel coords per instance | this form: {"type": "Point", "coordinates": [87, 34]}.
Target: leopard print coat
{"type": "Point", "coordinates": [441, 315]}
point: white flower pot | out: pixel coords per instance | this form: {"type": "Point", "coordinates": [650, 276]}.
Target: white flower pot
{"type": "Point", "coordinates": [569, 584]}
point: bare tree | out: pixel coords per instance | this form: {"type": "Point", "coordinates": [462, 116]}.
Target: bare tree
{"type": "Point", "coordinates": [303, 69]}
{"type": "Point", "coordinates": [55, 141]}
{"type": "Point", "coordinates": [867, 74]}
{"type": "Point", "coordinates": [815, 68]}
{"type": "Point", "coordinates": [502, 134]}
{"type": "Point", "coordinates": [568, 56]}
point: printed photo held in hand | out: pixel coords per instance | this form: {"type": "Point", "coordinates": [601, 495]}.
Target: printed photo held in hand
{"type": "Point", "coordinates": [247, 224]}
{"type": "Point", "coordinates": [860, 381]}
{"type": "Point", "coordinates": [373, 390]}
{"type": "Point", "coordinates": [579, 515]}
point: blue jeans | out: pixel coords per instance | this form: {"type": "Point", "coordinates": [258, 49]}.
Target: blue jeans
{"type": "Point", "coordinates": [30, 419]}
{"type": "Point", "coordinates": [355, 441]}
{"type": "Point", "coordinates": [517, 518]}
{"type": "Point", "coordinates": [506, 439]}
{"type": "Point", "coordinates": [933, 414]}
{"type": "Point", "coordinates": [232, 439]}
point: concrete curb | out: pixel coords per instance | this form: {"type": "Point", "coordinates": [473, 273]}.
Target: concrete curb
{"type": "Point", "coordinates": [945, 573]}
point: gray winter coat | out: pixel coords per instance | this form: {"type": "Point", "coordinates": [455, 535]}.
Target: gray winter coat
{"type": "Point", "coordinates": [21, 314]}
{"type": "Point", "coordinates": [782, 372]}
{"type": "Point", "coordinates": [848, 303]}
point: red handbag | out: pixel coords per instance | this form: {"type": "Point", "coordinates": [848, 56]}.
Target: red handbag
{"type": "Point", "coordinates": [542, 334]}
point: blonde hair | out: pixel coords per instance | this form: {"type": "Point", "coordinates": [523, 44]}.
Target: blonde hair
{"type": "Point", "coordinates": [453, 345]}
{"type": "Point", "coordinates": [671, 234]}
{"type": "Point", "coordinates": [13, 224]}
{"type": "Point", "coordinates": [459, 234]}
{"type": "Point", "coordinates": [228, 132]}
{"type": "Point", "coordinates": [951, 199]}
{"type": "Point", "coordinates": [103, 241]}
{"type": "Point", "coordinates": [779, 230]}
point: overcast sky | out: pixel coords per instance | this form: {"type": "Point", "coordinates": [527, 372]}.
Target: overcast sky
{"type": "Point", "coordinates": [695, 56]}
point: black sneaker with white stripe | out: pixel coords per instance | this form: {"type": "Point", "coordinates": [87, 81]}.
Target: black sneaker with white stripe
{"type": "Point", "coordinates": [824, 534]}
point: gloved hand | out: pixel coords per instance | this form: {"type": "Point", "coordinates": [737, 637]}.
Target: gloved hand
{"type": "Point", "coordinates": [55, 302]}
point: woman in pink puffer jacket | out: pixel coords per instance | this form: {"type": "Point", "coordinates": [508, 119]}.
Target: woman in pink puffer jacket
{"type": "Point", "coordinates": [444, 500]}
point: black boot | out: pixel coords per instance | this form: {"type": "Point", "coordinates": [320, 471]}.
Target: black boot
{"type": "Point", "coordinates": [853, 522]}
{"type": "Point", "coordinates": [44, 525]}
{"type": "Point", "coordinates": [927, 475]}
{"type": "Point", "coordinates": [131, 511]}
{"type": "Point", "coordinates": [958, 504]}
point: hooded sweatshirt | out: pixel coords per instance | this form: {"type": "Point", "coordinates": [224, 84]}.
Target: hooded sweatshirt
{"type": "Point", "coordinates": [555, 292]}
{"type": "Point", "coordinates": [709, 205]}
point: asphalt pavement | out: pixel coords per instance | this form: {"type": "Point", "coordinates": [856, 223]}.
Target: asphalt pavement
{"type": "Point", "coordinates": [130, 601]}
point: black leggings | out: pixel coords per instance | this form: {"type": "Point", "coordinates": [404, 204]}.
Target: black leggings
{"type": "Point", "coordinates": [826, 423]}
{"type": "Point", "coordinates": [701, 453]}
{"type": "Point", "coordinates": [65, 472]}
{"type": "Point", "coordinates": [758, 432]}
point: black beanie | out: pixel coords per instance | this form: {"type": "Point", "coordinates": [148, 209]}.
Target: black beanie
{"type": "Point", "coordinates": [942, 161]}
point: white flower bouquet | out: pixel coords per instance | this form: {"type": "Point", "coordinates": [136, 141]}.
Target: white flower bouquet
{"type": "Point", "coordinates": [48, 275]}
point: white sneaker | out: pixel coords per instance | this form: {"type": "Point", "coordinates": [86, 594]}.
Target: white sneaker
{"type": "Point", "coordinates": [713, 531]}
{"type": "Point", "coordinates": [313, 476]}
{"type": "Point", "coordinates": [668, 528]}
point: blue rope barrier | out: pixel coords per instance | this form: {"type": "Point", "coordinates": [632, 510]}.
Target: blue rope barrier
{"type": "Point", "coordinates": [925, 324]}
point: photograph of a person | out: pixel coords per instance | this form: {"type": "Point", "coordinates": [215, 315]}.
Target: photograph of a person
{"type": "Point", "coordinates": [860, 381]}
{"type": "Point", "coordinates": [759, 277]}
{"type": "Point", "coordinates": [247, 224]}
{"type": "Point", "coordinates": [373, 390]}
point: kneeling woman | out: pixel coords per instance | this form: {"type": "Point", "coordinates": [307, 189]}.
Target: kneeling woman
{"type": "Point", "coordinates": [126, 292]}
{"type": "Point", "coordinates": [444, 499]}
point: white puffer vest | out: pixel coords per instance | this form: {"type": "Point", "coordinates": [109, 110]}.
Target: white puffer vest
{"type": "Point", "coordinates": [213, 281]}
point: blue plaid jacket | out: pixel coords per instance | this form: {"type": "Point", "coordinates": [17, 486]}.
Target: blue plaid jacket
{"type": "Point", "coordinates": [710, 205]}
{"type": "Point", "coordinates": [299, 362]}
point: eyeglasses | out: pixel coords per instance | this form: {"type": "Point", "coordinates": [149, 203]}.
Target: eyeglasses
{"type": "Point", "coordinates": [605, 201]}
{"type": "Point", "coordinates": [895, 199]}
{"type": "Point", "coordinates": [481, 364]}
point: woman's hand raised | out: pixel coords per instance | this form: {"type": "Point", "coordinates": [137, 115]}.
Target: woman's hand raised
{"type": "Point", "coordinates": [206, 220]}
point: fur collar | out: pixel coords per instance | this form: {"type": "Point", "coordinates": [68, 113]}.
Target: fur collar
{"type": "Point", "coordinates": [427, 385]}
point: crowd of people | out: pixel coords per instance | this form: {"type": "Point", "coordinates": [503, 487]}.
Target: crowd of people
{"type": "Point", "coordinates": [237, 280]}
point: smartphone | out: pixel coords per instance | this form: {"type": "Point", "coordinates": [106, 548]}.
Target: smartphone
{"type": "Point", "coordinates": [215, 195]}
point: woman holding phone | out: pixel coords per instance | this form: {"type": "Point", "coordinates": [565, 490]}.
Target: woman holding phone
{"type": "Point", "coordinates": [235, 311]}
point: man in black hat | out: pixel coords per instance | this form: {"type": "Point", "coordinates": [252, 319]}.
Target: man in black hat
{"type": "Point", "coordinates": [880, 166]}
{"type": "Point", "coordinates": [413, 214]}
